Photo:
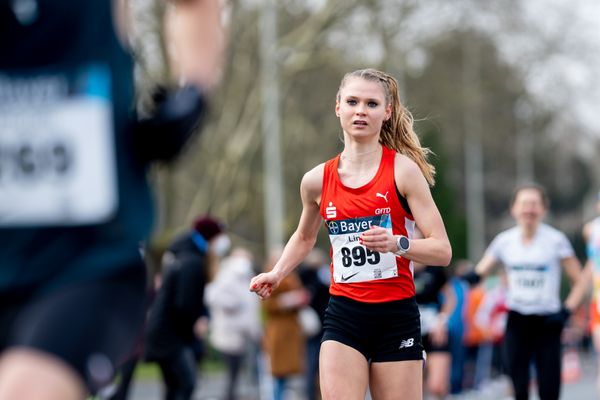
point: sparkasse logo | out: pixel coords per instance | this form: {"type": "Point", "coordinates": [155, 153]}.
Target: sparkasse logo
{"type": "Point", "coordinates": [331, 211]}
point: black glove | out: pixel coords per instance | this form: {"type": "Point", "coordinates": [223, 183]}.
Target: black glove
{"type": "Point", "coordinates": [559, 319]}
{"type": "Point", "coordinates": [472, 277]}
{"type": "Point", "coordinates": [162, 136]}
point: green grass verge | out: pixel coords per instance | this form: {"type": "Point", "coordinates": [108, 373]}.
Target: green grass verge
{"type": "Point", "coordinates": [150, 371]}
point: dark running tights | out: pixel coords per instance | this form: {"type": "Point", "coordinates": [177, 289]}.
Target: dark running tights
{"type": "Point", "coordinates": [233, 363]}
{"type": "Point", "coordinates": [531, 338]}
{"type": "Point", "coordinates": [179, 374]}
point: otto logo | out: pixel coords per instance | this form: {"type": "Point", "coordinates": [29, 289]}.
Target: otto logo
{"type": "Point", "coordinates": [385, 210]}
{"type": "Point", "coordinates": [331, 211]}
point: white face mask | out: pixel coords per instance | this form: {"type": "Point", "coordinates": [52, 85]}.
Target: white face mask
{"type": "Point", "coordinates": [221, 245]}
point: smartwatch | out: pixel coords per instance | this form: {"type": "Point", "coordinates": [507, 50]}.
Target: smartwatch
{"type": "Point", "coordinates": [403, 245]}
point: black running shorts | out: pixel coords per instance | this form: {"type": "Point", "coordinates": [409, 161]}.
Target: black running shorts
{"type": "Point", "coordinates": [92, 326]}
{"type": "Point", "coordinates": [382, 332]}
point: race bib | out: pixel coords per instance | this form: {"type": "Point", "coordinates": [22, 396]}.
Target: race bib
{"type": "Point", "coordinates": [57, 156]}
{"type": "Point", "coordinates": [353, 262]}
{"type": "Point", "coordinates": [530, 284]}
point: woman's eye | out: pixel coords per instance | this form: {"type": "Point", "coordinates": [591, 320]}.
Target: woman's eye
{"type": "Point", "coordinates": [372, 104]}
{"type": "Point", "coordinates": [351, 102]}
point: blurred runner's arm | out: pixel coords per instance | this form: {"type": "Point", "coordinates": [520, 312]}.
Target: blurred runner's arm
{"type": "Point", "coordinates": [481, 270]}
{"type": "Point", "coordinates": [581, 287]}
{"type": "Point", "coordinates": [194, 36]}
{"type": "Point", "coordinates": [195, 42]}
{"type": "Point", "coordinates": [485, 265]}
{"type": "Point", "coordinates": [572, 268]}
{"type": "Point", "coordinates": [439, 334]}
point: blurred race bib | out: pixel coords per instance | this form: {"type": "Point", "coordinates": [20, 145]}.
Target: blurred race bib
{"type": "Point", "coordinates": [57, 156]}
{"type": "Point", "coordinates": [530, 284]}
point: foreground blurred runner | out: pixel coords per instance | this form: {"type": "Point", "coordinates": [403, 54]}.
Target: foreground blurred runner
{"type": "Point", "coordinates": [74, 202]}
{"type": "Point", "coordinates": [370, 196]}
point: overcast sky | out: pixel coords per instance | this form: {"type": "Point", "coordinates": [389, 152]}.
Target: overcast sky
{"type": "Point", "coordinates": [557, 47]}
{"type": "Point", "coordinates": [571, 76]}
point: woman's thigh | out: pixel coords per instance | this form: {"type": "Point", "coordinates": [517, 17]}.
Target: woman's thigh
{"type": "Point", "coordinates": [388, 379]}
{"type": "Point", "coordinates": [343, 372]}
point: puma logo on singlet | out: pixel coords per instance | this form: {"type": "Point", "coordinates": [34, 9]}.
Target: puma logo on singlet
{"type": "Point", "coordinates": [383, 196]}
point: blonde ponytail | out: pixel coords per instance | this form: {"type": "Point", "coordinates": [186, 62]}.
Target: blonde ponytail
{"type": "Point", "coordinates": [397, 133]}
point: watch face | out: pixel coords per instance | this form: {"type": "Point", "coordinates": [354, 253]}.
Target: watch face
{"type": "Point", "coordinates": [403, 243]}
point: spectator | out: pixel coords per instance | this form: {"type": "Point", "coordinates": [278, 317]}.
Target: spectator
{"type": "Point", "coordinates": [436, 303]}
{"type": "Point", "coordinates": [473, 337]}
{"type": "Point", "coordinates": [456, 324]}
{"type": "Point", "coordinates": [170, 336]}
{"type": "Point", "coordinates": [234, 314]}
{"type": "Point", "coordinates": [315, 276]}
{"type": "Point", "coordinates": [284, 340]}
{"type": "Point", "coordinates": [490, 318]}
{"type": "Point", "coordinates": [591, 277]}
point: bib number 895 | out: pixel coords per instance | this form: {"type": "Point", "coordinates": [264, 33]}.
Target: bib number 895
{"type": "Point", "coordinates": [359, 256]}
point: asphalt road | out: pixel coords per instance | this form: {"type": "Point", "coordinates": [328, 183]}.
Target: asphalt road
{"type": "Point", "coordinates": [211, 386]}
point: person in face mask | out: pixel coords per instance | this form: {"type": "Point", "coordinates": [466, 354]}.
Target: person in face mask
{"type": "Point", "coordinates": [188, 264]}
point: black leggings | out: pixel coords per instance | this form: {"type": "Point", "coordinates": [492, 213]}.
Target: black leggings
{"type": "Point", "coordinates": [234, 364]}
{"type": "Point", "coordinates": [92, 325]}
{"type": "Point", "coordinates": [179, 374]}
{"type": "Point", "coordinates": [533, 338]}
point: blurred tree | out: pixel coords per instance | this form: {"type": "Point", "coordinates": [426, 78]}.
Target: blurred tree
{"type": "Point", "coordinates": [421, 43]}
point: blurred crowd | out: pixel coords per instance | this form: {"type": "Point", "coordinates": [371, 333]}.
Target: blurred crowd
{"type": "Point", "coordinates": [200, 308]}
{"type": "Point", "coordinates": [276, 342]}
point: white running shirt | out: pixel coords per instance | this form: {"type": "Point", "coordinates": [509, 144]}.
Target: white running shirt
{"type": "Point", "coordinates": [533, 269]}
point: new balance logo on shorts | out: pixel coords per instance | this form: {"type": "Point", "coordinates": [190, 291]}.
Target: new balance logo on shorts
{"type": "Point", "coordinates": [407, 343]}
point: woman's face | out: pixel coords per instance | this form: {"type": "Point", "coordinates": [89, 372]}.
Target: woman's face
{"type": "Point", "coordinates": [528, 208]}
{"type": "Point", "coordinates": [220, 244]}
{"type": "Point", "coordinates": [362, 108]}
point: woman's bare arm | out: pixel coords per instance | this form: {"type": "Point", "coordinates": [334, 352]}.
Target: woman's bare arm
{"type": "Point", "coordinates": [301, 241]}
